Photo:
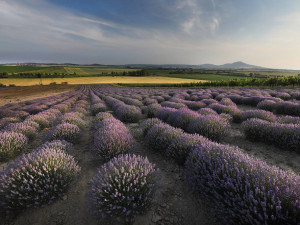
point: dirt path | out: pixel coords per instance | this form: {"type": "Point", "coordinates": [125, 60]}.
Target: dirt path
{"type": "Point", "coordinates": [177, 204]}
{"type": "Point", "coordinates": [73, 208]}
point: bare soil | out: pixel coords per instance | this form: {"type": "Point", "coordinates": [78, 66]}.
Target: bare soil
{"type": "Point", "coordinates": [177, 204]}
{"type": "Point", "coordinates": [19, 94]}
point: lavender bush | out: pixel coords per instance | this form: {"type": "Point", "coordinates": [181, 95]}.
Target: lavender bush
{"type": "Point", "coordinates": [24, 128]}
{"type": "Point", "coordinates": [36, 179]}
{"type": "Point", "coordinates": [164, 112]}
{"type": "Point", "coordinates": [73, 118]}
{"type": "Point", "coordinates": [124, 187]}
{"type": "Point", "coordinates": [152, 109]}
{"type": "Point", "coordinates": [182, 117]}
{"type": "Point", "coordinates": [283, 135]}
{"type": "Point", "coordinates": [112, 140]}
{"type": "Point", "coordinates": [102, 115]}
{"type": "Point", "coordinates": [6, 120]}
{"type": "Point", "coordinates": [129, 113]}
{"type": "Point", "coordinates": [207, 111]}
{"type": "Point", "coordinates": [61, 145]}
{"type": "Point", "coordinates": [243, 189]}
{"type": "Point", "coordinates": [289, 119]}
{"type": "Point", "coordinates": [11, 143]}
{"type": "Point", "coordinates": [147, 124]}
{"type": "Point", "coordinates": [99, 107]}
{"type": "Point", "coordinates": [268, 105]}
{"type": "Point", "coordinates": [182, 145]}
{"type": "Point", "coordinates": [160, 136]}
{"type": "Point", "coordinates": [213, 127]}
{"type": "Point", "coordinates": [258, 113]}
{"type": "Point", "coordinates": [64, 131]}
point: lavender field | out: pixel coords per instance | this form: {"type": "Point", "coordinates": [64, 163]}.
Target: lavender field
{"type": "Point", "coordinates": [107, 155]}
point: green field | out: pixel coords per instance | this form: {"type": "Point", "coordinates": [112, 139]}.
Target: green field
{"type": "Point", "coordinates": [79, 70]}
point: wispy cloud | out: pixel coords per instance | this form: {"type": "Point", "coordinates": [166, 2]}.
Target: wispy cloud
{"type": "Point", "coordinates": [163, 31]}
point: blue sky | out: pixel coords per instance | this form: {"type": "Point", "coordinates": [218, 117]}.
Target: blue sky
{"type": "Point", "coordinates": [260, 32]}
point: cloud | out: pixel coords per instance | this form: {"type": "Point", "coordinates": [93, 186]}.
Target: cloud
{"type": "Point", "coordinates": [160, 31]}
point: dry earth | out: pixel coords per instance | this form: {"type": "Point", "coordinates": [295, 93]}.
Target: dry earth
{"type": "Point", "coordinates": [19, 94]}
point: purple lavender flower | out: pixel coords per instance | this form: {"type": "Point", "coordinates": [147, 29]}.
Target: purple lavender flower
{"type": "Point", "coordinates": [24, 128]}
{"type": "Point", "coordinates": [111, 140]}
{"type": "Point", "coordinates": [244, 190]}
{"type": "Point", "coordinates": [258, 113]}
{"type": "Point", "coordinates": [182, 145]}
{"type": "Point", "coordinates": [182, 117]}
{"type": "Point", "coordinates": [282, 135]}
{"type": "Point", "coordinates": [147, 124]}
{"type": "Point", "coordinates": [160, 136]}
{"type": "Point", "coordinates": [36, 179]}
{"type": "Point", "coordinates": [211, 126]}
{"type": "Point", "coordinates": [64, 131]}
{"type": "Point", "coordinates": [11, 143]}
{"type": "Point", "coordinates": [164, 112]}
{"type": "Point", "coordinates": [124, 187]}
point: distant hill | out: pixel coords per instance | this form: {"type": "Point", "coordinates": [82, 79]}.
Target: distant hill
{"type": "Point", "coordinates": [235, 65]}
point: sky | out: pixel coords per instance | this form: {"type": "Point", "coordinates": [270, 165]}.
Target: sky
{"type": "Point", "coordinates": [259, 32]}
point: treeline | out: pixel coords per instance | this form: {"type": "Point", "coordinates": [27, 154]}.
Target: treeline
{"type": "Point", "coordinates": [136, 73]}
{"type": "Point", "coordinates": [254, 82]}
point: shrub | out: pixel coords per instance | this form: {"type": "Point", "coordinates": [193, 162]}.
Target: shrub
{"type": "Point", "coordinates": [73, 118]}
{"type": "Point", "coordinates": [112, 140]}
{"type": "Point", "coordinates": [99, 107]}
{"type": "Point", "coordinates": [129, 113]}
{"type": "Point", "coordinates": [102, 115]}
{"type": "Point", "coordinates": [182, 117]}
{"type": "Point", "coordinates": [226, 116]}
{"type": "Point", "coordinates": [182, 145]}
{"type": "Point", "coordinates": [61, 145]}
{"type": "Point", "coordinates": [147, 124]}
{"type": "Point", "coordinates": [42, 120]}
{"type": "Point", "coordinates": [36, 179]}
{"type": "Point", "coordinates": [23, 128]}
{"type": "Point", "coordinates": [174, 105]}
{"type": "Point", "coordinates": [64, 131]}
{"type": "Point", "coordinates": [243, 189]}
{"type": "Point", "coordinates": [160, 136]}
{"type": "Point", "coordinates": [195, 105]}
{"type": "Point", "coordinates": [152, 109]}
{"type": "Point", "coordinates": [258, 113]}
{"type": "Point", "coordinates": [6, 120]}
{"type": "Point", "coordinates": [11, 143]}
{"type": "Point", "coordinates": [124, 187]}
{"type": "Point", "coordinates": [222, 108]}
{"type": "Point", "coordinates": [164, 113]}
{"type": "Point", "coordinates": [211, 126]}
{"type": "Point", "coordinates": [111, 121]}
{"type": "Point", "coordinates": [268, 105]}
{"type": "Point", "coordinates": [283, 135]}
{"type": "Point", "coordinates": [207, 111]}
{"type": "Point", "coordinates": [288, 119]}
{"type": "Point", "coordinates": [288, 108]}
{"type": "Point", "coordinates": [227, 102]}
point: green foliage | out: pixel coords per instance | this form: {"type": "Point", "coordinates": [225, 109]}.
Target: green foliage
{"type": "Point", "coordinates": [254, 82]}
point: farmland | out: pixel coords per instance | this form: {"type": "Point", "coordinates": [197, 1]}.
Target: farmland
{"type": "Point", "coordinates": [93, 80]}
{"type": "Point", "coordinates": [150, 156]}
{"type": "Point", "coordinates": [79, 70]}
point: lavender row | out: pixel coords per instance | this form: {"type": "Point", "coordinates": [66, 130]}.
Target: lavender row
{"type": "Point", "coordinates": [243, 189]}
{"type": "Point", "coordinates": [286, 136]}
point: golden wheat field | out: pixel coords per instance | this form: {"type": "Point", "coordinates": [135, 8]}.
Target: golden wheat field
{"type": "Point", "coordinates": [94, 80]}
